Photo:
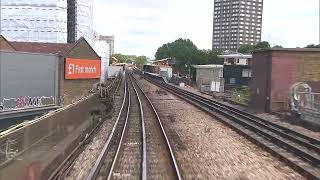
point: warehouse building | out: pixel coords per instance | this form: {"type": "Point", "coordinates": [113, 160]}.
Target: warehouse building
{"type": "Point", "coordinates": [77, 67]}
{"type": "Point", "coordinates": [276, 71]}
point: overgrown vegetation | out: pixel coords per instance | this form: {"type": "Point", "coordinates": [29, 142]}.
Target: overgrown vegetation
{"type": "Point", "coordinates": [241, 96]}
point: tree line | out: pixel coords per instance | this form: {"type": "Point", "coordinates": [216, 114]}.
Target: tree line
{"type": "Point", "coordinates": [138, 60]}
{"type": "Point", "coordinates": [186, 53]}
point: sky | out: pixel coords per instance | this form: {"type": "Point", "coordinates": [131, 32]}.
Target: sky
{"type": "Point", "coordinates": [141, 26]}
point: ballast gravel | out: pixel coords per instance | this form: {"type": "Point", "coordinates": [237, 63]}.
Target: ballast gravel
{"type": "Point", "coordinates": [207, 149]}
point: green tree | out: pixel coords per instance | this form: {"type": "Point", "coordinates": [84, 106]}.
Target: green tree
{"type": "Point", "coordinates": [124, 58]}
{"type": "Point", "coordinates": [262, 45]}
{"type": "Point", "coordinates": [140, 61]}
{"type": "Point", "coordinates": [313, 46]}
{"type": "Point", "coordinates": [277, 46]}
{"type": "Point", "coordinates": [186, 53]}
{"type": "Point", "coordinates": [121, 58]}
{"type": "Point", "coordinates": [248, 49]}
{"type": "Point", "coordinates": [212, 56]}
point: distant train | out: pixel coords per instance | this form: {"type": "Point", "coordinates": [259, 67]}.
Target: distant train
{"type": "Point", "coordinates": [164, 71]}
{"type": "Point", "coordinates": [151, 69]}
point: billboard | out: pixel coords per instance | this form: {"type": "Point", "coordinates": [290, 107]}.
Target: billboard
{"type": "Point", "coordinates": [82, 69]}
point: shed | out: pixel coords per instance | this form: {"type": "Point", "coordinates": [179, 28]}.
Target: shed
{"type": "Point", "coordinates": [276, 70]}
{"type": "Point", "coordinates": [210, 77]}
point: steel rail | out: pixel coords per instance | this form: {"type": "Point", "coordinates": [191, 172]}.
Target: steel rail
{"type": "Point", "coordinates": [144, 142]}
{"type": "Point", "coordinates": [65, 167]}
{"type": "Point", "coordinates": [303, 140]}
{"type": "Point", "coordinates": [199, 101]}
{"type": "Point", "coordinates": [262, 130]}
{"type": "Point", "coordinates": [293, 135]}
{"type": "Point", "coordinates": [164, 134]}
{"type": "Point", "coordinates": [98, 163]}
{"type": "Point", "coordinates": [287, 130]}
{"type": "Point", "coordinates": [121, 139]}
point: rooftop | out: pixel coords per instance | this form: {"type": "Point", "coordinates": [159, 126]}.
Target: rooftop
{"type": "Point", "coordinates": [43, 48]}
{"type": "Point", "coordinates": [247, 56]}
{"type": "Point", "coordinates": [46, 48]}
{"type": "Point", "coordinates": [291, 49]}
{"type": "Point", "coordinates": [207, 66]}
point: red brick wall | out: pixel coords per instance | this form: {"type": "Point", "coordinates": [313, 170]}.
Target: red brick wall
{"type": "Point", "coordinates": [4, 45]}
{"type": "Point", "coordinates": [283, 72]}
{"type": "Point", "coordinates": [289, 68]}
{"type": "Point", "coordinates": [76, 88]}
{"type": "Point", "coordinates": [71, 90]}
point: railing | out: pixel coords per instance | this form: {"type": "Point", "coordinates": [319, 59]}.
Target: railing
{"type": "Point", "coordinates": [309, 107]}
{"type": "Point", "coordinates": [309, 101]}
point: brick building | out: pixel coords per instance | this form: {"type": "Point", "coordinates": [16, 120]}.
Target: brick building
{"type": "Point", "coordinates": [274, 71]}
{"type": "Point", "coordinates": [73, 83]}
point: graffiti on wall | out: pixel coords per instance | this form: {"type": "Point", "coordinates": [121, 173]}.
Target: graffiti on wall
{"type": "Point", "coordinates": [25, 102]}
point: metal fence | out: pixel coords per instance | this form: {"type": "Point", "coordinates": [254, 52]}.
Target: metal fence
{"type": "Point", "coordinates": [309, 107]}
{"type": "Point", "coordinates": [309, 101]}
{"type": "Point", "coordinates": [36, 150]}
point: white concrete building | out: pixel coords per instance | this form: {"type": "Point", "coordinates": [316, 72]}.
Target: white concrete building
{"type": "Point", "coordinates": [236, 59]}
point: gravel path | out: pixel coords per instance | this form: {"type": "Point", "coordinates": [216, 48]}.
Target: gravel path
{"type": "Point", "coordinates": [207, 149]}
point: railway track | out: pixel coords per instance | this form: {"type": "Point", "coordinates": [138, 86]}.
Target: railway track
{"type": "Point", "coordinates": [300, 152]}
{"type": "Point", "coordinates": [63, 170]}
{"type": "Point", "coordinates": [137, 147]}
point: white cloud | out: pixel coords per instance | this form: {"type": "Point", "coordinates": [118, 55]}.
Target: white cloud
{"type": "Point", "coordinates": [291, 23]}
{"type": "Point", "coordinates": [141, 26]}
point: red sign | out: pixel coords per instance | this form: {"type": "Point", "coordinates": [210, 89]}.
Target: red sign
{"type": "Point", "coordinates": [82, 69]}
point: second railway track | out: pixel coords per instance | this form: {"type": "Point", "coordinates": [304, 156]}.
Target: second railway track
{"type": "Point", "coordinates": [138, 147]}
{"type": "Point", "coordinates": [299, 151]}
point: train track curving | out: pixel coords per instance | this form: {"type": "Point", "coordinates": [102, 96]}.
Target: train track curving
{"type": "Point", "coordinates": [299, 151]}
{"type": "Point", "coordinates": [114, 91]}
{"type": "Point", "coordinates": [138, 147]}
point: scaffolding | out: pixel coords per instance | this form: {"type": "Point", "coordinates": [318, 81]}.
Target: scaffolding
{"type": "Point", "coordinates": [102, 49]}
{"type": "Point", "coordinates": [84, 20]}
{"type": "Point", "coordinates": [34, 20]}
